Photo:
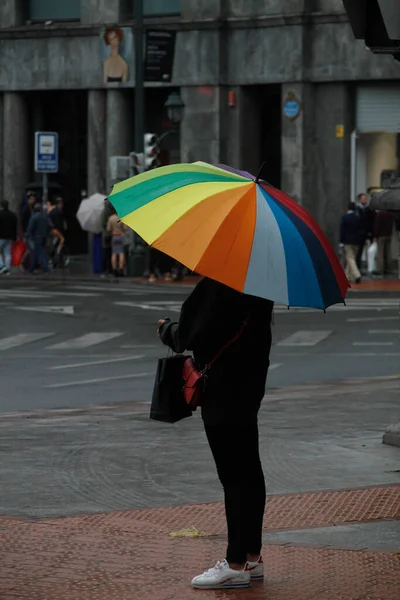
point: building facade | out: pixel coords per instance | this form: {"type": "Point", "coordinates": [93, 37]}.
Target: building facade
{"type": "Point", "coordinates": [261, 80]}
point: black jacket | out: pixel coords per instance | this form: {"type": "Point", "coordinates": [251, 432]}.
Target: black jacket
{"type": "Point", "coordinates": [26, 214]}
{"type": "Point", "coordinates": [38, 228]}
{"type": "Point", "coordinates": [8, 225]}
{"type": "Point", "coordinates": [366, 216]}
{"type": "Point", "coordinates": [211, 316]}
{"type": "Point", "coordinates": [350, 229]}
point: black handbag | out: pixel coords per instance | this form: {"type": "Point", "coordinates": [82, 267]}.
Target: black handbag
{"type": "Point", "coordinates": [168, 404]}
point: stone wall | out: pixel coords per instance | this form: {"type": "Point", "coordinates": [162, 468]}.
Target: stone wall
{"type": "Point", "coordinates": [251, 56]}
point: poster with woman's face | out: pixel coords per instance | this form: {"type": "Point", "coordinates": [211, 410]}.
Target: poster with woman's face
{"type": "Point", "coordinates": [117, 54]}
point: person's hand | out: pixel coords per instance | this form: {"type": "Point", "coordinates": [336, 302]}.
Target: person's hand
{"type": "Point", "coordinates": [160, 323]}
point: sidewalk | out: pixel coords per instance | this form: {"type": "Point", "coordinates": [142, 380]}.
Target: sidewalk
{"type": "Point", "coordinates": [339, 541]}
{"type": "Point", "coordinates": [373, 285]}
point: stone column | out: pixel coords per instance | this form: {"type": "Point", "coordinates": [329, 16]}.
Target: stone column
{"type": "Point", "coordinates": [100, 11]}
{"type": "Point", "coordinates": [16, 144]}
{"type": "Point", "coordinates": [12, 13]}
{"type": "Point", "coordinates": [119, 126]}
{"type": "Point", "coordinates": [297, 140]}
{"type": "Point", "coordinates": [201, 128]}
{"type": "Point", "coordinates": [97, 142]}
{"type": "Point", "coordinates": [315, 155]}
{"type": "Point", "coordinates": [242, 130]}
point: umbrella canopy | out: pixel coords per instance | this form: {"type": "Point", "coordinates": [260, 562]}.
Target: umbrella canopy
{"type": "Point", "coordinates": [239, 231]}
{"type": "Point", "coordinates": [89, 213]}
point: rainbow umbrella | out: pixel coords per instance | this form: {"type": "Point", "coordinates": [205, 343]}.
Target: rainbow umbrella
{"type": "Point", "coordinates": [236, 229]}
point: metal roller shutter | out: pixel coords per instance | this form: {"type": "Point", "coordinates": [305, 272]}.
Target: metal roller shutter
{"type": "Point", "coordinates": [378, 109]}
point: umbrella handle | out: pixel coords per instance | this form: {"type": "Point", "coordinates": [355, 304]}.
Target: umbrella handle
{"type": "Point", "coordinates": [257, 179]}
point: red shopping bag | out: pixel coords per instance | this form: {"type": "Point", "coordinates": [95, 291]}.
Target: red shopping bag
{"type": "Point", "coordinates": [17, 252]}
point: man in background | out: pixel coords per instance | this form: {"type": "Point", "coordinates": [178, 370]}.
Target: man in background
{"type": "Point", "coordinates": [383, 230]}
{"type": "Point", "coordinates": [27, 210]}
{"type": "Point", "coordinates": [350, 237]}
{"type": "Point", "coordinates": [366, 217]}
{"type": "Point", "coordinates": [37, 234]}
{"type": "Point", "coordinates": [8, 235]}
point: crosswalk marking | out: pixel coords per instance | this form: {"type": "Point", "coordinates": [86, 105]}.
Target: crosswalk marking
{"type": "Point", "coordinates": [98, 380]}
{"type": "Point", "coordinates": [60, 310]}
{"type": "Point", "coordinates": [96, 362]}
{"type": "Point", "coordinates": [373, 343]}
{"type": "Point", "coordinates": [387, 331]}
{"type": "Point", "coordinates": [304, 338]}
{"type": "Point", "coordinates": [371, 319]}
{"type": "Point", "coordinates": [273, 366]}
{"type": "Point", "coordinates": [174, 307]}
{"type": "Point", "coordinates": [84, 341]}
{"type": "Point", "coordinates": [22, 338]}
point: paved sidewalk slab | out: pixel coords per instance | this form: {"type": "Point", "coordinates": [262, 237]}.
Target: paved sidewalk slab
{"type": "Point", "coordinates": [130, 554]}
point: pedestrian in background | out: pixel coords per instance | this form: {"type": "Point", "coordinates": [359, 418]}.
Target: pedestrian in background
{"type": "Point", "coordinates": [37, 234]}
{"type": "Point", "coordinates": [383, 231]}
{"type": "Point", "coordinates": [27, 210]}
{"type": "Point", "coordinates": [350, 240]}
{"type": "Point", "coordinates": [212, 317]}
{"type": "Point", "coordinates": [366, 216]}
{"type": "Point", "coordinates": [8, 235]}
{"type": "Point", "coordinates": [117, 229]}
{"type": "Point", "coordinates": [106, 238]}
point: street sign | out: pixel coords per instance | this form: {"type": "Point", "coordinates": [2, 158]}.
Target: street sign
{"type": "Point", "coordinates": [160, 51]}
{"type": "Point", "coordinates": [46, 152]}
{"type": "Point", "coordinates": [291, 106]}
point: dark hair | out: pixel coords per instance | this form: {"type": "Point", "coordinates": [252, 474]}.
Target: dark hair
{"type": "Point", "coordinates": [37, 207]}
{"type": "Point", "coordinates": [351, 206]}
{"type": "Point", "coordinates": [118, 32]}
{"type": "Point", "coordinates": [4, 204]}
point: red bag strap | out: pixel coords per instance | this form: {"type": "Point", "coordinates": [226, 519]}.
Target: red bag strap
{"type": "Point", "coordinates": [229, 343]}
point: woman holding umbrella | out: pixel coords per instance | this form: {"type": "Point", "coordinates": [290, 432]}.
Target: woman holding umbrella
{"type": "Point", "coordinates": [255, 246]}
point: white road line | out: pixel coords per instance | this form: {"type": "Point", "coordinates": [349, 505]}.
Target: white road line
{"type": "Point", "coordinates": [99, 380]}
{"type": "Point", "coordinates": [84, 341]}
{"type": "Point", "coordinates": [22, 338]}
{"type": "Point", "coordinates": [388, 331]}
{"type": "Point", "coordinates": [161, 306]}
{"type": "Point", "coordinates": [60, 310]}
{"type": "Point", "coordinates": [27, 295]}
{"type": "Point", "coordinates": [274, 366]}
{"type": "Point", "coordinates": [96, 362]}
{"type": "Point", "coordinates": [371, 319]}
{"type": "Point", "coordinates": [305, 338]}
{"type": "Point", "coordinates": [139, 346]}
{"type": "Point", "coordinates": [373, 343]}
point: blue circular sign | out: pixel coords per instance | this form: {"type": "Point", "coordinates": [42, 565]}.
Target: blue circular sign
{"type": "Point", "coordinates": [291, 107]}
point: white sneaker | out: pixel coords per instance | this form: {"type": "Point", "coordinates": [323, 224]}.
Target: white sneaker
{"type": "Point", "coordinates": [256, 569]}
{"type": "Point", "coordinates": [222, 577]}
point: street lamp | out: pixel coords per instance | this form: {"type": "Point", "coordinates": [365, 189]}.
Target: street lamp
{"type": "Point", "coordinates": [175, 108]}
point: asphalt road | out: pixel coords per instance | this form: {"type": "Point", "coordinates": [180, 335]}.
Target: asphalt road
{"type": "Point", "coordinates": [71, 345]}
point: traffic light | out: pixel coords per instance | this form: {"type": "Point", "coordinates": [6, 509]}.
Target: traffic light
{"type": "Point", "coordinates": [136, 163]}
{"type": "Point", "coordinates": [151, 151]}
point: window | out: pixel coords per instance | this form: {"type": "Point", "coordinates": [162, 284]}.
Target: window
{"type": "Point", "coordinates": [162, 7]}
{"type": "Point", "coordinates": [51, 10]}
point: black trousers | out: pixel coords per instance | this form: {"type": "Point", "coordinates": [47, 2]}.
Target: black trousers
{"type": "Point", "coordinates": [237, 458]}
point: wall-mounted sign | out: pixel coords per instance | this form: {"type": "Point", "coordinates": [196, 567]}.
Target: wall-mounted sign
{"type": "Point", "coordinates": [340, 131]}
{"type": "Point", "coordinates": [159, 58]}
{"type": "Point", "coordinates": [291, 106]}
